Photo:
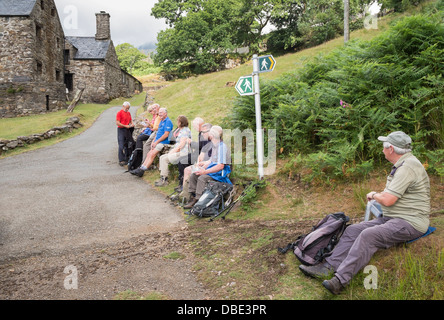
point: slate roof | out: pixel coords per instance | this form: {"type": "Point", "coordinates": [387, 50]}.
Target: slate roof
{"type": "Point", "coordinates": [16, 7]}
{"type": "Point", "coordinates": [89, 48]}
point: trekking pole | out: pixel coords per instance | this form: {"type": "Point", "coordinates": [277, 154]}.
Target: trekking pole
{"type": "Point", "coordinates": [223, 214]}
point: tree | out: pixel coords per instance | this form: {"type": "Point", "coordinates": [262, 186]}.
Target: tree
{"type": "Point", "coordinates": [200, 36]}
{"type": "Point", "coordinates": [129, 56]}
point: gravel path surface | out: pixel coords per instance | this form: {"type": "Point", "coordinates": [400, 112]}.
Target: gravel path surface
{"type": "Point", "coordinates": [71, 204]}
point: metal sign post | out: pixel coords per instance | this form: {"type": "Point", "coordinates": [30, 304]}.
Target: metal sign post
{"type": "Point", "coordinates": [259, 132]}
{"type": "Point", "coordinates": [249, 85]}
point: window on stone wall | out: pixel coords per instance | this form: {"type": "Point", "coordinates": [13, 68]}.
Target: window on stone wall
{"type": "Point", "coordinates": [57, 75]}
{"type": "Point", "coordinates": [42, 5]}
{"type": "Point", "coordinates": [39, 32]}
{"type": "Point", "coordinates": [39, 68]}
{"type": "Point", "coordinates": [53, 12]}
{"type": "Point", "coordinates": [66, 56]}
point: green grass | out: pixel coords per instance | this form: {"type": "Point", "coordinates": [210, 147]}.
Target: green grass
{"type": "Point", "coordinates": [11, 128]}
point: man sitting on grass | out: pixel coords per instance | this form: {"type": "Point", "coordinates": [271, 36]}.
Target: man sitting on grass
{"type": "Point", "coordinates": [405, 205]}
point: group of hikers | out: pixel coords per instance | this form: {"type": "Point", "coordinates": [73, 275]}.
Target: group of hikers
{"type": "Point", "coordinates": [198, 162]}
{"type": "Point", "coordinates": [404, 203]}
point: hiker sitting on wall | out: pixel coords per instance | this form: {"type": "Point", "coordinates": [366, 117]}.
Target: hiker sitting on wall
{"type": "Point", "coordinates": [165, 127]}
{"type": "Point", "coordinates": [216, 168]}
{"type": "Point", "coordinates": [149, 127]}
{"type": "Point", "coordinates": [180, 149]}
{"type": "Point", "coordinates": [147, 144]}
{"type": "Point", "coordinates": [185, 163]}
{"type": "Point", "coordinates": [405, 204]}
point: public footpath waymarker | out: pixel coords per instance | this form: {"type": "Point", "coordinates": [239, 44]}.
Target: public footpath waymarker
{"type": "Point", "coordinates": [266, 64]}
{"type": "Point", "coordinates": [245, 86]}
{"type": "Point", "coordinates": [249, 85]}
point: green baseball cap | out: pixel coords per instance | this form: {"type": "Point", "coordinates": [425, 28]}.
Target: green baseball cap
{"type": "Point", "coordinates": [398, 139]}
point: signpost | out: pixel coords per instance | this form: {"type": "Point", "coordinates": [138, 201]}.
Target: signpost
{"type": "Point", "coordinates": [266, 64]}
{"type": "Point", "coordinates": [245, 86]}
{"type": "Point", "coordinates": [249, 85]}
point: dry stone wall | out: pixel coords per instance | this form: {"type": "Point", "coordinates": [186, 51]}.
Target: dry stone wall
{"type": "Point", "coordinates": [69, 126]}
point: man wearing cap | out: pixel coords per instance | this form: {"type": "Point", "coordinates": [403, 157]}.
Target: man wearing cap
{"type": "Point", "coordinates": [405, 204]}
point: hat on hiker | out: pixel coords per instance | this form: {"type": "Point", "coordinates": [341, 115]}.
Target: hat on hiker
{"type": "Point", "coordinates": [398, 139]}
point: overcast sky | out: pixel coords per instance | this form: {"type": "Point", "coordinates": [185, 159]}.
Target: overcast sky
{"type": "Point", "coordinates": [131, 20]}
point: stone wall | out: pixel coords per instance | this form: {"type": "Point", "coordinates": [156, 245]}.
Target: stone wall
{"type": "Point", "coordinates": [88, 74]}
{"type": "Point", "coordinates": [31, 63]}
{"type": "Point", "coordinates": [113, 76]}
{"type": "Point", "coordinates": [70, 125]}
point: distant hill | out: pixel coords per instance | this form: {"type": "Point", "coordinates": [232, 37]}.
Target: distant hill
{"type": "Point", "coordinates": [147, 48]}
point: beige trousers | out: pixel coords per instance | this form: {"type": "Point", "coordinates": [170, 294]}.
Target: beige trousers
{"type": "Point", "coordinates": [166, 159]}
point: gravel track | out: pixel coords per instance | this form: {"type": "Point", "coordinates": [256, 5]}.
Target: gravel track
{"type": "Point", "coordinates": [71, 204]}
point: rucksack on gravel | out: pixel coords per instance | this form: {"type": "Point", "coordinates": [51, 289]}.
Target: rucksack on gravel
{"type": "Point", "coordinates": [212, 202]}
{"type": "Point", "coordinates": [136, 159]}
{"type": "Point", "coordinates": [315, 246]}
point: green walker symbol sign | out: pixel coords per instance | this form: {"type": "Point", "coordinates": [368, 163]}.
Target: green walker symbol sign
{"type": "Point", "coordinates": [266, 64]}
{"type": "Point", "coordinates": [245, 86]}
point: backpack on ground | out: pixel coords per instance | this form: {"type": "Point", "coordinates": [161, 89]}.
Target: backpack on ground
{"type": "Point", "coordinates": [212, 202]}
{"type": "Point", "coordinates": [318, 244]}
{"type": "Point", "coordinates": [136, 159]}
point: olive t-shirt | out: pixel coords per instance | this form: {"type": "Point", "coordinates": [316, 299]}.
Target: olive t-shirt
{"type": "Point", "coordinates": [409, 182]}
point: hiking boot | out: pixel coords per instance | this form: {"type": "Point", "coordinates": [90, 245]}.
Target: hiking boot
{"type": "Point", "coordinates": [138, 172]}
{"type": "Point", "coordinates": [163, 181]}
{"type": "Point", "coordinates": [191, 203]}
{"type": "Point", "coordinates": [320, 270]}
{"type": "Point", "coordinates": [333, 285]}
{"type": "Point", "coordinates": [123, 163]}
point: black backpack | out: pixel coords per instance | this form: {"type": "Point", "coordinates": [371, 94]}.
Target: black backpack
{"type": "Point", "coordinates": [212, 202]}
{"type": "Point", "coordinates": [136, 159]}
{"type": "Point", "coordinates": [318, 244]}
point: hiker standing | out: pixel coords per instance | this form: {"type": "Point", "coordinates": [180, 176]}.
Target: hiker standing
{"type": "Point", "coordinates": [405, 204]}
{"type": "Point", "coordinates": [124, 124]}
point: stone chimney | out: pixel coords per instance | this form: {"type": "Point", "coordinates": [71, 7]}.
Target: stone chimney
{"type": "Point", "coordinates": [103, 26]}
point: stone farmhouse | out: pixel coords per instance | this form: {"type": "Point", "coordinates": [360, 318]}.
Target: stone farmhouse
{"type": "Point", "coordinates": [91, 63]}
{"type": "Point", "coordinates": [38, 63]}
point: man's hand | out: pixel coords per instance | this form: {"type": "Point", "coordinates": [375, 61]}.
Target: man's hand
{"type": "Point", "coordinates": [371, 195]}
{"type": "Point", "coordinates": [383, 198]}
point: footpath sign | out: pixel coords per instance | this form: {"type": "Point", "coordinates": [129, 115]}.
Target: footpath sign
{"type": "Point", "coordinates": [249, 85]}
{"type": "Point", "coordinates": [266, 64]}
{"type": "Point", "coordinates": [245, 86]}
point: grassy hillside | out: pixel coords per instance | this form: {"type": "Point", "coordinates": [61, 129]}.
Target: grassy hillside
{"type": "Point", "coordinates": [209, 97]}
{"type": "Point", "coordinates": [237, 258]}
